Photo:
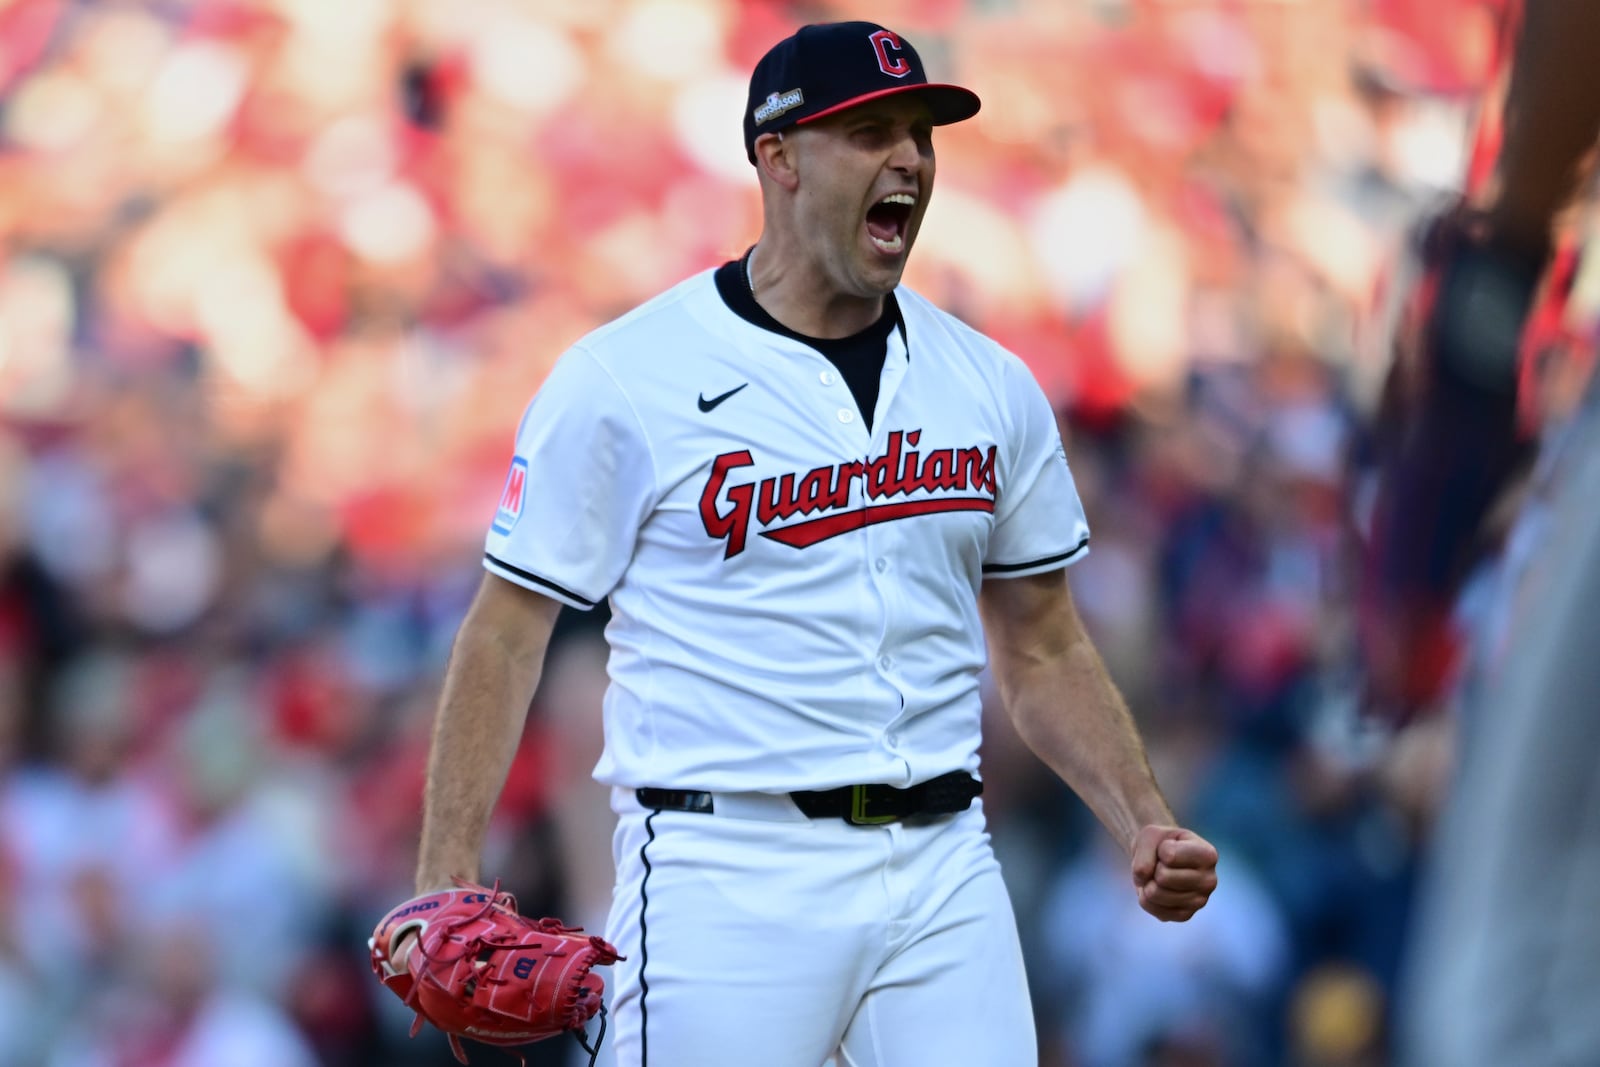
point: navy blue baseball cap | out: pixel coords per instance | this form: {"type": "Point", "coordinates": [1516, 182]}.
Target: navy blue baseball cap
{"type": "Point", "coordinates": [826, 67]}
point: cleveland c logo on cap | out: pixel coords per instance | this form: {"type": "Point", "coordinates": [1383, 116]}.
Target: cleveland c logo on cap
{"type": "Point", "coordinates": [884, 42]}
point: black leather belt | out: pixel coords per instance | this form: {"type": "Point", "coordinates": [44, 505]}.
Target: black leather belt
{"type": "Point", "coordinates": [859, 805]}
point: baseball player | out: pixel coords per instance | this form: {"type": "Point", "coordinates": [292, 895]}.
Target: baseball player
{"type": "Point", "coordinates": [808, 494]}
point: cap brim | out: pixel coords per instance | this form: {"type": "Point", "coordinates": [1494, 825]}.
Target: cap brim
{"type": "Point", "coordinates": [949, 103]}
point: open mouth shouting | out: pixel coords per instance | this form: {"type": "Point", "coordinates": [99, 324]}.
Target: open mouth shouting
{"type": "Point", "coordinates": [888, 222]}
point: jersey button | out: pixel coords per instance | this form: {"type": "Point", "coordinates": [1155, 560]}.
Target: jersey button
{"type": "Point", "coordinates": [885, 662]}
{"type": "Point", "coordinates": [881, 566]}
{"type": "Point", "coordinates": [826, 377]}
{"type": "Point", "coordinates": [846, 415]}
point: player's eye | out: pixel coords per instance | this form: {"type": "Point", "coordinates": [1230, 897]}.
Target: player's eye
{"type": "Point", "coordinates": [872, 136]}
{"type": "Point", "coordinates": [878, 136]}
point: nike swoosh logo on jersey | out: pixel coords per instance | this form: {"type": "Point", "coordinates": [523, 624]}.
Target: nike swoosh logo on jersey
{"type": "Point", "coordinates": [708, 405]}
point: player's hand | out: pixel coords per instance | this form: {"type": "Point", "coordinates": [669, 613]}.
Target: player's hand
{"type": "Point", "coordinates": [1174, 872]}
{"type": "Point", "coordinates": [402, 949]}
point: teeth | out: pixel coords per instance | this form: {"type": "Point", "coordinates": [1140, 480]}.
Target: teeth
{"type": "Point", "coordinates": [893, 245]}
{"type": "Point", "coordinates": [899, 198]}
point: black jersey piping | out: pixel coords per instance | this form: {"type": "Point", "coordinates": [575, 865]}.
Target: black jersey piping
{"type": "Point", "coordinates": [644, 943]}
{"type": "Point", "coordinates": [1011, 568]}
{"type": "Point", "coordinates": [534, 578]}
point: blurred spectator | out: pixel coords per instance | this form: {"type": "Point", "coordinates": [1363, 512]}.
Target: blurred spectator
{"type": "Point", "coordinates": [1131, 993]}
{"type": "Point", "coordinates": [176, 1010]}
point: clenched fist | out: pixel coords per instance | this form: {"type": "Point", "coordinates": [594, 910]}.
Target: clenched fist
{"type": "Point", "coordinates": [1174, 872]}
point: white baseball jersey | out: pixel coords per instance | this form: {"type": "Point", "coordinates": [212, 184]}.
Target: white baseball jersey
{"type": "Point", "coordinates": [794, 598]}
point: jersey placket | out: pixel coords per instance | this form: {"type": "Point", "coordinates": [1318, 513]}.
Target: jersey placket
{"type": "Point", "coordinates": [852, 439]}
{"type": "Point", "coordinates": [881, 545]}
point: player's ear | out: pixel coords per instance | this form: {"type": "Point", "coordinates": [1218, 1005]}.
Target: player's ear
{"type": "Point", "coordinates": [775, 158]}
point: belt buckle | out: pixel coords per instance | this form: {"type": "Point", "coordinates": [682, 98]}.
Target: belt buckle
{"type": "Point", "coordinates": [858, 810]}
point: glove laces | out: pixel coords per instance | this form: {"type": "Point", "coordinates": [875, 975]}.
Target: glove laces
{"type": "Point", "coordinates": [583, 1040]}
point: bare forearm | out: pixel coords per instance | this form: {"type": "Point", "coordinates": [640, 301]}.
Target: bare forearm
{"type": "Point", "coordinates": [1071, 715]}
{"type": "Point", "coordinates": [493, 672]}
{"type": "Point", "coordinates": [1069, 712]}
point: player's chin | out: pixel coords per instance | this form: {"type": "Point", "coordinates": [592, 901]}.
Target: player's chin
{"type": "Point", "coordinates": [883, 266]}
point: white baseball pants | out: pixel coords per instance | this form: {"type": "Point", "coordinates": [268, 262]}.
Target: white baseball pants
{"type": "Point", "coordinates": [757, 936]}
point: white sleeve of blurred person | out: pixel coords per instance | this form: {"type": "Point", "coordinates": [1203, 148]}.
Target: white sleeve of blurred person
{"type": "Point", "coordinates": [1505, 960]}
{"type": "Point", "coordinates": [1504, 963]}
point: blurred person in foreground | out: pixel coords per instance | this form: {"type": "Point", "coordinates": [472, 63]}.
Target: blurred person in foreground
{"type": "Point", "coordinates": [802, 562]}
{"type": "Point", "coordinates": [1505, 965]}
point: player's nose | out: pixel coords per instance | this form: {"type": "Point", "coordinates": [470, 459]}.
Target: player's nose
{"type": "Point", "coordinates": [907, 154]}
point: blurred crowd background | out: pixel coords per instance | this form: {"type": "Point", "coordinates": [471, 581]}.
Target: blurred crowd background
{"type": "Point", "coordinates": [277, 277]}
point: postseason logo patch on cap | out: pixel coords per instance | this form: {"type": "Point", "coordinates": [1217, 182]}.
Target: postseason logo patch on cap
{"type": "Point", "coordinates": [777, 103]}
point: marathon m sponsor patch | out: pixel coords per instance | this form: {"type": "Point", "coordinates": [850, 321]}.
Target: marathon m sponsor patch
{"type": "Point", "coordinates": [510, 509]}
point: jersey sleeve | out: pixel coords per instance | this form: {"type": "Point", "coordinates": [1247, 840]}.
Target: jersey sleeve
{"type": "Point", "coordinates": [1039, 523]}
{"type": "Point", "coordinates": [580, 485]}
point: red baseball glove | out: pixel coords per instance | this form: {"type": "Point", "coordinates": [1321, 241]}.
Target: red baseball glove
{"type": "Point", "coordinates": [481, 970]}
